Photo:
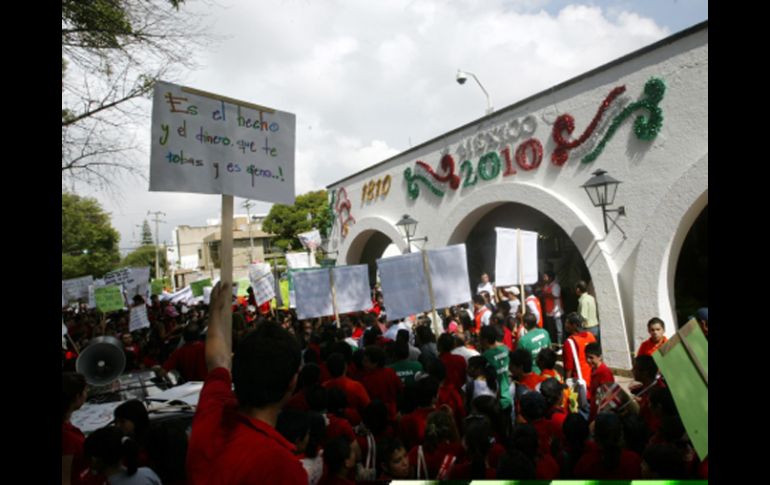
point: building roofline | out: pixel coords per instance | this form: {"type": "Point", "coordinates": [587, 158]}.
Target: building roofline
{"type": "Point", "coordinates": [604, 67]}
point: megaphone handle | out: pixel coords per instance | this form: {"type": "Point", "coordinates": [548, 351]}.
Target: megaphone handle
{"type": "Point", "coordinates": [77, 349]}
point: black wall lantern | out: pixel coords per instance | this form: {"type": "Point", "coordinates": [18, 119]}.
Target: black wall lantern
{"type": "Point", "coordinates": [601, 189]}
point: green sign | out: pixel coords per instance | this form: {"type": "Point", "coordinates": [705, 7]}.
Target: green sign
{"type": "Point", "coordinates": [109, 298]}
{"type": "Point", "coordinates": [197, 286]}
{"type": "Point", "coordinates": [285, 294]}
{"type": "Point", "coordinates": [243, 285]}
{"type": "Point", "coordinates": [157, 285]}
{"type": "Point", "coordinates": [684, 362]}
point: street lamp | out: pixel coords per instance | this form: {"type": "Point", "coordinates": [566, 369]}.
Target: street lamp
{"type": "Point", "coordinates": [601, 189]}
{"type": "Point", "coordinates": [462, 76]}
{"type": "Point", "coordinates": [408, 228]}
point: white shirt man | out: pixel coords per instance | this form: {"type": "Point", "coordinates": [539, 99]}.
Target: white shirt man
{"type": "Point", "coordinates": [486, 285]}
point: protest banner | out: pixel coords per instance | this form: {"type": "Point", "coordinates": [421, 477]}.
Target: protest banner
{"type": "Point", "coordinates": [75, 288]}
{"type": "Point", "coordinates": [300, 260]}
{"type": "Point", "coordinates": [318, 293]}
{"type": "Point", "coordinates": [310, 240]}
{"type": "Point", "coordinates": [262, 282]}
{"type": "Point", "coordinates": [314, 294]}
{"type": "Point", "coordinates": [128, 277]}
{"type": "Point", "coordinates": [404, 285]}
{"type": "Point", "coordinates": [242, 287]}
{"type": "Point", "coordinates": [197, 286]}
{"type": "Point", "coordinates": [516, 259]}
{"type": "Point", "coordinates": [138, 318]}
{"type": "Point", "coordinates": [351, 286]}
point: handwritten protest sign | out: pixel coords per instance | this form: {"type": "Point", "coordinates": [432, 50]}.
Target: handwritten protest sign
{"type": "Point", "coordinates": [75, 288]}
{"type": "Point", "coordinates": [138, 318]}
{"type": "Point", "coordinates": [210, 144]}
{"type": "Point", "coordinates": [262, 281]}
{"type": "Point", "coordinates": [109, 298]}
{"type": "Point", "coordinates": [197, 286]}
{"type": "Point", "coordinates": [128, 277]}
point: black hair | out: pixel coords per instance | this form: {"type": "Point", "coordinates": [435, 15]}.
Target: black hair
{"type": "Point", "coordinates": [646, 365]}
{"type": "Point", "coordinates": [134, 411]}
{"type": "Point", "coordinates": [478, 299]}
{"type": "Point", "coordinates": [635, 432]}
{"type": "Point", "coordinates": [427, 389]}
{"type": "Point", "coordinates": [401, 350]}
{"type": "Point", "coordinates": [191, 333]}
{"type": "Point", "coordinates": [336, 452]}
{"type": "Point", "coordinates": [445, 343]}
{"type": "Point", "coordinates": [546, 358]}
{"type": "Point", "coordinates": [402, 336]}
{"type": "Point", "coordinates": [385, 449]}
{"type": "Point", "coordinates": [293, 424]}
{"type": "Point", "coordinates": [342, 348]}
{"type": "Point", "coordinates": [553, 392]}
{"type": "Point", "coordinates": [309, 375]}
{"type": "Point", "coordinates": [436, 369]}
{"type": "Point", "coordinates": [525, 439]}
{"type": "Point", "coordinates": [661, 397]}
{"type": "Point", "coordinates": [166, 446]}
{"type": "Point", "coordinates": [655, 320]}
{"type": "Point", "coordinates": [582, 286]}
{"type": "Point", "coordinates": [317, 434]}
{"type": "Point", "coordinates": [608, 433]}
{"type": "Point", "coordinates": [336, 401]}
{"type": "Point", "coordinates": [425, 335]}
{"type": "Point", "coordinates": [530, 320]}
{"type": "Point", "coordinates": [371, 334]}
{"type": "Point", "coordinates": [72, 385]}
{"type": "Point", "coordinates": [576, 432]}
{"type": "Point", "coordinates": [375, 417]}
{"type": "Point", "coordinates": [489, 406]}
{"type": "Point", "coordinates": [264, 365]}
{"type": "Point", "coordinates": [575, 319]}
{"type": "Point", "coordinates": [533, 406]}
{"type": "Point", "coordinates": [489, 334]}
{"type": "Point", "coordinates": [593, 349]}
{"type": "Point", "coordinates": [487, 369]}
{"type": "Point", "coordinates": [316, 398]}
{"type": "Point", "coordinates": [521, 358]}
{"type": "Point", "coordinates": [336, 364]}
{"type": "Point", "coordinates": [477, 441]}
{"type": "Point", "coordinates": [665, 461]}
{"type": "Point", "coordinates": [515, 465]}
{"type": "Point", "coordinates": [109, 446]}
{"type": "Point", "coordinates": [375, 355]}
{"type": "Point", "coordinates": [439, 427]}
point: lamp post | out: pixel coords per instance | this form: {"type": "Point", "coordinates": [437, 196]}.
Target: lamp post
{"type": "Point", "coordinates": [462, 76]}
{"type": "Point", "coordinates": [408, 228]}
{"type": "Point", "coordinates": [601, 189]}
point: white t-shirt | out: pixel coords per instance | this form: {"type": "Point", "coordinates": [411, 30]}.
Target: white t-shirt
{"type": "Point", "coordinates": [465, 352]}
{"type": "Point", "coordinates": [486, 287]}
{"type": "Point", "coordinates": [314, 468]}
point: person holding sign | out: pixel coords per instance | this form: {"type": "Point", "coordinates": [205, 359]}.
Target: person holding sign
{"type": "Point", "coordinates": [233, 437]}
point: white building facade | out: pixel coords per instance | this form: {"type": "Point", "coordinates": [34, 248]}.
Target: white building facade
{"type": "Point", "coordinates": [642, 118]}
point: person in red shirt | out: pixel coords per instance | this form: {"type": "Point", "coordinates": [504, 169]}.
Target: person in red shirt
{"type": "Point", "coordinates": [309, 376]}
{"type": "Point", "coordinates": [546, 360]}
{"type": "Point", "coordinates": [233, 438]}
{"type": "Point", "coordinates": [609, 461]}
{"type": "Point", "coordinates": [656, 328]}
{"type": "Point", "coordinates": [577, 336]}
{"type": "Point", "coordinates": [355, 392]}
{"type": "Point", "coordinates": [526, 439]}
{"type": "Point", "coordinates": [521, 369]}
{"type": "Point", "coordinates": [442, 442]}
{"type": "Point", "coordinates": [74, 393]}
{"type": "Point", "coordinates": [556, 411]}
{"type": "Point", "coordinates": [448, 395]}
{"type": "Point", "coordinates": [455, 364]}
{"type": "Point", "coordinates": [379, 381]}
{"type": "Point", "coordinates": [646, 373]}
{"type": "Point", "coordinates": [600, 374]}
{"type": "Point", "coordinates": [340, 460]}
{"type": "Point", "coordinates": [392, 460]}
{"type": "Point", "coordinates": [477, 443]}
{"type": "Point", "coordinates": [533, 409]}
{"type": "Point", "coordinates": [189, 359]}
{"type": "Point", "coordinates": [411, 428]}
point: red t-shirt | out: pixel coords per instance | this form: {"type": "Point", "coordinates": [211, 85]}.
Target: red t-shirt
{"type": "Point", "coordinates": [600, 375]}
{"type": "Point", "coordinates": [411, 428]}
{"type": "Point", "coordinates": [72, 444]}
{"type": "Point", "coordinates": [357, 396]}
{"type": "Point", "coordinates": [590, 466]}
{"type": "Point", "coordinates": [298, 402]}
{"type": "Point", "coordinates": [447, 394]}
{"type": "Point", "coordinates": [462, 471]}
{"type": "Point", "coordinates": [339, 427]}
{"type": "Point", "coordinates": [455, 366]}
{"type": "Point", "coordinates": [546, 468]}
{"type": "Point", "coordinates": [531, 380]}
{"type": "Point", "coordinates": [190, 361]}
{"type": "Point", "coordinates": [649, 347]}
{"type": "Point", "coordinates": [228, 447]}
{"type": "Point", "coordinates": [434, 459]}
{"type": "Point", "coordinates": [357, 333]}
{"type": "Point", "coordinates": [508, 338]}
{"type": "Point", "coordinates": [581, 339]}
{"type": "Point", "coordinates": [383, 384]}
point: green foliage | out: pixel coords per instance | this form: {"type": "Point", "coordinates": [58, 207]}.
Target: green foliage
{"type": "Point", "coordinates": [145, 256]}
{"type": "Point", "coordinates": [146, 234]}
{"type": "Point", "coordinates": [89, 242]}
{"type": "Point", "coordinates": [286, 221]}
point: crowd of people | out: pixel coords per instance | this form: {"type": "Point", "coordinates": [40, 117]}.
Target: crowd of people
{"type": "Point", "coordinates": [368, 399]}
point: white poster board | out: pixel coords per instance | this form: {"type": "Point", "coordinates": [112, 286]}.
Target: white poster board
{"type": "Point", "coordinates": [351, 284]}
{"type": "Point", "coordinates": [506, 259]}
{"type": "Point", "coordinates": [404, 286]}
{"type": "Point", "coordinates": [262, 282]}
{"type": "Point", "coordinates": [210, 144]}
{"type": "Point", "coordinates": [138, 318]}
{"type": "Point", "coordinates": [449, 276]}
{"type": "Point", "coordinates": [301, 260]}
{"type": "Point", "coordinates": [75, 288]}
{"type": "Point", "coordinates": [128, 277]}
{"type": "Point", "coordinates": [314, 293]}
{"type": "Point", "coordinates": [310, 239]}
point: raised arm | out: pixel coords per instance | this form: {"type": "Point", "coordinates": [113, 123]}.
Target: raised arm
{"type": "Point", "coordinates": [219, 338]}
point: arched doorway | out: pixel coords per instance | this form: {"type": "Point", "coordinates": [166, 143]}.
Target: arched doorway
{"type": "Point", "coordinates": [691, 277]}
{"type": "Point", "coordinates": [367, 248]}
{"type": "Point", "coordinates": [556, 250]}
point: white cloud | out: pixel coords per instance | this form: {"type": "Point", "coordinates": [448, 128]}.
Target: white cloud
{"type": "Point", "coordinates": [368, 79]}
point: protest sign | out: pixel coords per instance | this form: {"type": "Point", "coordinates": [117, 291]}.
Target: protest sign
{"type": "Point", "coordinates": [300, 260]}
{"type": "Point", "coordinates": [310, 240]}
{"type": "Point", "coordinates": [508, 255]}
{"type": "Point", "coordinates": [197, 286]}
{"type": "Point", "coordinates": [449, 275]}
{"type": "Point", "coordinates": [242, 287]}
{"type": "Point", "coordinates": [262, 281]}
{"type": "Point", "coordinates": [352, 292]}
{"type": "Point", "coordinates": [404, 285]}
{"type": "Point", "coordinates": [128, 277]}
{"type": "Point", "coordinates": [75, 288]}
{"type": "Point", "coordinates": [138, 318]}
{"type": "Point", "coordinates": [109, 298]}
{"type": "Point", "coordinates": [211, 144]}
{"type": "Point", "coordinates": [314, 294]}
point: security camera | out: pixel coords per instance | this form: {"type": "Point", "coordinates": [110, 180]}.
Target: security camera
{"type": "Point", "coordinates": [461, 77]}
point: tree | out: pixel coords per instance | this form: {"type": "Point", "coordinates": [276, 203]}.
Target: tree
{"type": "Point", "coordinates": [286, 221]}
{"type": "Point", "coordinates": [88, 240]}
{"type": "Point", "coordinates": [113, 51]}
{"type": "Point", "coordinates": [145, 256]}
{"type": "Point", "coordinates": [146, 234]}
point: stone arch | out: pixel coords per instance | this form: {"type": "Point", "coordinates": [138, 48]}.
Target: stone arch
{"type": "Point", "coordinates": [588, 238]}
{"type": "Point", "coordinates": [362, 232]}
{"type": "Point", "coordinates": [659, 250]}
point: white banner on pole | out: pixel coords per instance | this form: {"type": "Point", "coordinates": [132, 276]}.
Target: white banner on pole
{"type": "Point", "coordinates": [75, 288]}
{"type": "Point", "coordinates": [138, 318]}
{"type": "Point", "coordinates": [301, 260]}
{"type": "Point", "coordinates": [310, 239]}
{"type": "Point", "coordinates": [314, 293]}
{"type": "Point", "coordinates": [262, 282]}
{"type": "Point", "coordinates": [506, 259]}
{"type": "Point", "coordinates": [210, 144]}
{"type": "Point", "coordinates": [352, 287]}
{"type": "Point", "coordinates": [449, 276]}
{"type": "Point", "coordinates": [404, 287]}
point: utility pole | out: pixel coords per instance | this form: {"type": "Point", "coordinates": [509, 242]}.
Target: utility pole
{"type": "Point", "coordinates": [157, 247]}
{"type": "Point", "coordinates": [248, 205]}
